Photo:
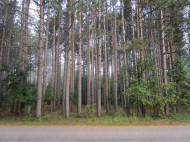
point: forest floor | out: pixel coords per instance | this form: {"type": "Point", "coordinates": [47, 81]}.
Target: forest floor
{"type": "Point", "coordinates": [88, 118]}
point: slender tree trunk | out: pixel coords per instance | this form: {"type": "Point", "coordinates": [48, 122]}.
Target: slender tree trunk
{"type": "Point", "coordinates": [45, 55]}
{"type": "Point", "coordinates": [99, 61]}
{"type": "Point", "coordinates": [172, 58]}
{"type": "Point", "coordinates": [2, 47]}
{"type": "Point", "coordinates": [155, 60]}
{"type": "Point", "coordinates": [39, 88]}
{"type": "Point", "coordinates": [68, 62]}
{"type": "Point", "coordinates": [59, 62]}
{"type": "Point", "coordinates": [88, 61]}
{"type": "Point", "coordinates": [96, 73]}
{"type": "Point", "coordinates": [115, 62]}
{"type": "Point", "coordinates": [73, 61]}
{"type": "Point", "coordinates": [64, 83]}
{"type": "Point", "coordinates": [137, 68]}
{"type": "Point", "coordinates": [56, 74]}
{"type": "Point", "coordinates": [164, 63]}
{"type": "Point", "coordinates": [142, 50]}
{"type": "Point", "coordinates": [3, 36]}
{"type": "Point", "coordinates": [9, 47]}
{"type": "Point", "coordinates": [25, 58]}
{"type": "Point", "coordinates": [105, 66]}
{"type": "Point", "coordinates": [154, 47]}
{"type": "Point", "coordinates": [79, 66]}
{"type": "Point", "coordinates": [53, 64]}
{"type": "Point", "coordinates": [126, 82]}
{"type": "Point", "coordinates": [88, 72]}
{"type": "Point", "coordinates": [109, 78]}
{"type": "Point", "coordinates": [4, 72]}
{"type": "Point", "coordinates": [92, 68]}
{"type": "Point", "coordinates": [133, 37]}
{"type": "Point", "coordinates": [22, 36]}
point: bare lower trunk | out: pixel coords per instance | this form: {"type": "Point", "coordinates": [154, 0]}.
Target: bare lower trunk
{"type": "Point", "coordinates": [2, 47]}
{"type": "Point", "coordinates": [92, 68]}
{"type": "Point", "coordinates": [88, 61]}
{"type": "Point", "coordinates": [115, 63]}
{"type": "Point", "coordinates": [96, 72]}
{"type": "Point", "coordinates": [142, 50]}
{"type": "Point", "coordinates": [164, 63]}
{"type": "Point", "coordinates": [3, 36]}
{"type": "Point", "coordinates": [25, 56]}
{"type": "Point", "coordinates": [59, 63]}
{"type": "Point", "coordinates": [105, 67]}
{"type": "Point", "coordinates": [64, 83]}
{"type": "Point", "coordinates": [68, 63]}
{"type": "Point", "coordinates": [22, 36]}
{"type": "Point", "coordinates": [99, 62]}
{"type": "Point", "coordinates": [53, 64]}
{"type": "Point", "coordinates": [39, 87]}
{"type": "Point", "coordinates": [126, 81]}
{"type": "Point", "coordinates": [45, 55]}
{"type": "Point", "coordinates": [133, 37]}
{"type": "Point", "coordinates": [79, 66]}
{"type": "Point", "coordinates": [72, 61]}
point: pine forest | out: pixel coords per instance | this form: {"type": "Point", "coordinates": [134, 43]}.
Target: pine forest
{"type": "Point", "coordinates": [94, 58]}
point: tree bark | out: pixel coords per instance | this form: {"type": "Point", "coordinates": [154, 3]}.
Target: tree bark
{"type": "Point", "coordinates": [79, 66]}
{"type": "Point", "coordinates": [73, 61]}
{"type": "Point", "coordinates": [92, 68]}
{"type": "Point", "coordinates": [115, 62]}
{"type": "Point", "coordinates": [25, 56]}
{"type": "Point", "coordinates": [126, 81]}
{"type": "Point", "coordinates": [3, 37]}
{"type": "Point", "coordinates": [99, 61]}
{"type": "Point", "coordinates": [105, 66]}
{"type": "Point", "coordinates": [64, 83]}
{"type": "Point", "coordinates": [45, 52]}
{"type": "Point", "coordinates": [53, 65]}
{"type": "Point", "coordinates": [68, 61]}
{"type": "Point", "coordinates": [133, 37]}
{"type": "Point", "coordinates": [22, 36]}
{"type": "Point", "coordinates": [164, 62]}
{"type": "Point", "coordinates": [39, 87]}
{"type": "Point", "coordinates": [88, 60]}
{"type": "Point", "coordinates": [59, 62]}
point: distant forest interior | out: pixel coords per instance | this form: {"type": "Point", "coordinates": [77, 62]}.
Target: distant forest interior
{"type": "Point", "coordinates": [94, 58]}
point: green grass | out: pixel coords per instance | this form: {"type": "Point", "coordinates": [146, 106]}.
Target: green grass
{"type": "Point", "coordinates": [181, 117]}
{"type": "Point", "coordinates": [89, 118]}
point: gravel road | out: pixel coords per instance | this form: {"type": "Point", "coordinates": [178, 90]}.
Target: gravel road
{"type": "Point", "coordinates": [95, 134]}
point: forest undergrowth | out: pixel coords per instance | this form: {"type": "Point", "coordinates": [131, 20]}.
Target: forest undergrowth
{"type": "Point", "coordinates": [89, 118]}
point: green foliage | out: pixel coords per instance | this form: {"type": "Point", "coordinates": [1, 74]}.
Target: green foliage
{"type": "Point", "coordinates": [143, 66]}
{"type": "Point", "coordinates": [89, 112]}
{"type": "Point", "coordinates": [173, 94]}
{"type": "Point", "coordinates": [139, 43]}
{"type": "Point", "coordinates": [169, 29]}
{"type": "Point", "coordinates": [80, 4]}
{"type": "Point", "coordinates": [185, 117]}
{"type": "Point", "coordinates": [117, 118]}
{"type": "Point", "coordinates": [144, 91]}
{"type": "Point", "coordinates": [18, 90]}
{"type": "Point", "coordinates": [179, 72]}
{"type": "Point", "coordinates": [165, 3]}
{"type": "Point", "coordinates": [50, 96]}
{"type": "Point", "coordinates": [138, 95]}
{"type": "Point", "coordinates": [178, 90]}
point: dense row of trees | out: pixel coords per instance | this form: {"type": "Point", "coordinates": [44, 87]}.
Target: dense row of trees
{"type": "Point", "coordinates": [100, 53]}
